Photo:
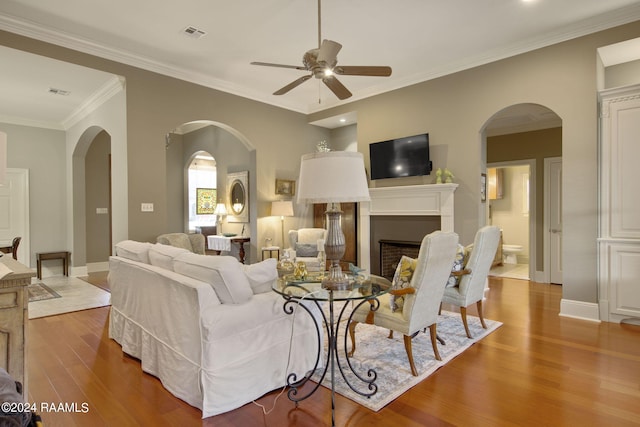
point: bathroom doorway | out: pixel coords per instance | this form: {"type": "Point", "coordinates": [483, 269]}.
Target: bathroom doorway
{"type": "Point", "coordinates": [512, 209]}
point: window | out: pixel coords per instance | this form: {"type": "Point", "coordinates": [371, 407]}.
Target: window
{"type": "Point", "coordinates": [202, 174]}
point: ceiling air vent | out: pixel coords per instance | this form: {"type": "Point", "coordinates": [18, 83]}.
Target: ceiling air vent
{"type": "Point", "coordinates": [194, 32]}
{"type": "Point", "coordinates": [62, 92]}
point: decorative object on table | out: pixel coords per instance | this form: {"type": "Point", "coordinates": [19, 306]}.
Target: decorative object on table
{"type": "Point", "coordinates": [439, 176]}
{"type": "Point", "coordinates": [300, 271]}
{"type": "Point", "coordinates": [220, 212]}
{"type": "Point", "coordinates": [355, 270]}
{"type": "Point", "coordinates": [285, 187]}
{"type": "Point", "coordinates": [323, 147]}
{"type": "Point", "coordinates": [333, 177]}
{"type": "Point", "coordinates": [448, 176]}
{"type": "Point", "coordinates": [205, 201]}
{"type": "Point", "coordinates": [229, 234]}
{"type": "Point", "coordinates": [238, 196]}
{"type": "Point", "coordinates": [285, 266]}
{"type": "Point", "coordinates": [282, 208]}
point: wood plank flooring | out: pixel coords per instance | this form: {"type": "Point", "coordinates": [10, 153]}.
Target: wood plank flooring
{"type": "Point", "coordinates": [537, 369]}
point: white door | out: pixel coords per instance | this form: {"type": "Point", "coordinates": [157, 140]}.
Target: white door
{"type": "Point", "coordinates": [14, 211]}
{"type": "Point", "coordinates": [555, 220]}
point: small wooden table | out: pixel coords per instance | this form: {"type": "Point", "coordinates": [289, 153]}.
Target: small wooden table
{"type": "Point", "coordinates": [63, 255]}
{"type": "Point", "coordinates": [223, 243]}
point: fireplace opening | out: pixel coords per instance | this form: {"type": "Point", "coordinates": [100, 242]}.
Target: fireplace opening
{"type": "Point", "coordinates": [398, 228]}
{"type": "Point", "coordinates": [391, 251]}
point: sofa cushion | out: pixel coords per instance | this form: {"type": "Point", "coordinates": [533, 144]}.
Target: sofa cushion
{"type": "Point", "coordinates": [162, 255]}
{"type": "Point", "coordinates": [223, 273]}
{"type": "Point", "coordinates": [262, 275]}
{"type": "Point", "coordinates": [135, 251]}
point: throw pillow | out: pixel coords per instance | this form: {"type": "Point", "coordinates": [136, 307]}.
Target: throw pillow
{"type": "Point", "coordinates": [401, 279]}
{"type": "Point", "coordinates": [306, 250]}
{"type": "Point", "coordinates": [262, 275]}
{"type": "Point", "coordinates": [223, 273]}
{"type": "Point", "coordinates": [162, 255]}
{"type": "Point", "coordinates": [135, 251]}
{"type": "Point", "coordinates": [459, 264]}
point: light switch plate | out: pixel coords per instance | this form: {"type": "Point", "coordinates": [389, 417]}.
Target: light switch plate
{"type": "Point", "coordinates": [102, 210]}
{"type": "Point", "coordinates": [146, 207]}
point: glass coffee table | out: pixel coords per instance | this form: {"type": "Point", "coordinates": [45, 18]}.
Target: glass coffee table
{"type": "Point", "coordinates": [362, 290]}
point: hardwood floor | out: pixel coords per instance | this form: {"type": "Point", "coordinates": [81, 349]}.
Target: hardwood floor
{"type": "Point", "coordinates": [537, 369]}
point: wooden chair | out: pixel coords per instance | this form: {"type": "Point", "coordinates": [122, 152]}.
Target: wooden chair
{"type": "Point", "coordinates": [13, 249]}
{"type": "Point", "coordinates": [421, 299]}
{"type": "Point", "coordinates": [474, 276]}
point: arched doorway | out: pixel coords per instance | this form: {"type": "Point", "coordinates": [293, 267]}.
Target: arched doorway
{"type": "Point", "coordinates": [92, 209]}
{"type": "Point", "coordinates": [526, 135]}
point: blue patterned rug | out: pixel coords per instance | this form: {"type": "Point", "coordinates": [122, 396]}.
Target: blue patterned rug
{"type": "Point", "coordinates": [389, 358]}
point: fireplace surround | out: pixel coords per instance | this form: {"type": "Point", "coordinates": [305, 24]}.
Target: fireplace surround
{"type": "Point", "coordinates": [429, 205]}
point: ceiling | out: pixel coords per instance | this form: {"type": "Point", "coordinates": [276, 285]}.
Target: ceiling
{"type": "Point", "coordinates": [421, 40]}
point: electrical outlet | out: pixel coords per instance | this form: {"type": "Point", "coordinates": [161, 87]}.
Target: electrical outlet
{"type": "Point", "coordinates": [146, 207]}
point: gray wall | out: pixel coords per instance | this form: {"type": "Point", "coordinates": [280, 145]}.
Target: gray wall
{"type": "Point", "coordinates": [42, 152]}
{"type": "Point", "coordinates": [622, 74]}
{"type": "Point", "coordinates": [97, 196]}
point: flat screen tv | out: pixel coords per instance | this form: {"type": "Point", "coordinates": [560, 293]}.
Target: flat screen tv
{"type": "Point", "coordinates": [400, 157]}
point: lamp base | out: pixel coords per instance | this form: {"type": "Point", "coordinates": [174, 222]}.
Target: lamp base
{"type": "Point", "coordinates": [336, 280]}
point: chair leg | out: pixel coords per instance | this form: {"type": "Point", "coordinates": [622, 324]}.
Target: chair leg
{"type": "Point", "coordinates": [434, 343]}
{"type": "Point", "coordinates": [407, 347]}
{"type": "Point", "coordinates": [480, 315]}
{"type": "Point", "coordinates": [463, 313]}
{"type": "Point", "coordinates": [390, 334]}
{"type": "Point", "coordinates": [352, 334]}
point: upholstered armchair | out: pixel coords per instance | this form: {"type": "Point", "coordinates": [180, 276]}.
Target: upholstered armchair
{"type": "Point", "coordinates": [304, 244]}
{"type": "Point", "coordinates": [193, 241]}
{"type": "Point", "coordinates": [421, 297]}
{"type": "Point", "coordinates": [474, 275]}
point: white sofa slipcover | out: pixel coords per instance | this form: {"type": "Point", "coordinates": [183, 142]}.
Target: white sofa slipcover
{"type": "Point", "coordinates": [214, 356]}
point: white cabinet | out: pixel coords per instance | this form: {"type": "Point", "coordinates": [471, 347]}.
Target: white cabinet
{"type": "Point", "coordinates": [619, 205]}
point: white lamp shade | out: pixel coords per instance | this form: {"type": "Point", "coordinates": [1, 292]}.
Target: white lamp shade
{"type": "Point", "coordinates": [220, 209]}
{"type": "Point", "coordinates": [282, 208]}
{"type": "Point", "coordinates": [334, 176]}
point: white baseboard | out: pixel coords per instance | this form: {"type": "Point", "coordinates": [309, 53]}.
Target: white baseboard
{"type": "Point", "coordinates": [580, 310]}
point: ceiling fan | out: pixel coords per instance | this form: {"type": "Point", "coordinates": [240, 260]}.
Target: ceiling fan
{"type": "Point", "coordinates": [322, 62]}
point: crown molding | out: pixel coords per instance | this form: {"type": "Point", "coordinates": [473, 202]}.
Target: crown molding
{"type": "Point", "coordinates": [102, 95]}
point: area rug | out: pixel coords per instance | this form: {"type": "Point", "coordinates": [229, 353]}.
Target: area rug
{"type": "Point", "coordinates": [74, 295]}
{"type": "Point", "coordinates": [389, 358]}
{"type": "Point", "coordinates": [40, 292]}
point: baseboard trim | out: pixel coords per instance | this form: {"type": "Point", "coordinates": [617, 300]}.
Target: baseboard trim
{"type": "Point", "coordinates": [580, 310]}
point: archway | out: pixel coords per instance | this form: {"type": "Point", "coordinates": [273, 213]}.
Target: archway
{"type": "Point", "coordinates": [232, 152]}
{"type": "Point", "coordinates": [91, 177]}
{"type": "Point", "coordinates": [525, 134]}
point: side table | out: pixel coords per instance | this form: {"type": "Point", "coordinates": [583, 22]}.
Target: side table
{"type": "Point", "coordinates": [63, 255]}
{"type": "Point", "coordinates": [270, 250]}
{"type": "Point", "coordinates": [310, 289]}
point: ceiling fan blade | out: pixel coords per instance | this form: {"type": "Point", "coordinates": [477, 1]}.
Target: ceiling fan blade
{"type": "Point", "coordinates": [329, 52]}
{"type": "Point", "coordinates": [362, 70]}
{"type": "Point", "coordinates": [291, 85]}
{"type": "Point", "coordinates": [336, 87]}
{"type": "Point", "coordinates": [268, 64]}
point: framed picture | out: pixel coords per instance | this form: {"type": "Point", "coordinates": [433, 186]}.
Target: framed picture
{"type": "Point", "coordinates": [483, 187]}
{"type": "Point", "coordinates": [205, 201]}
{"type": "Point", "coordinates": [285, 187]}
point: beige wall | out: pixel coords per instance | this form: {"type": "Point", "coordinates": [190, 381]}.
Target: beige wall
{"type": "Point", "coordinates": [453, 109]}
{"type": "Point", "coordinates": [97, 196]}
{"type": "Point", "coordinates": [622, 74]}
{"type": "Point", "coordinates": [536, 145]}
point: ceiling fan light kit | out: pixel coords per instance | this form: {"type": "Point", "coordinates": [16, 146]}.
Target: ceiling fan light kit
{"type": "Point", "coordinates": [322, 63]}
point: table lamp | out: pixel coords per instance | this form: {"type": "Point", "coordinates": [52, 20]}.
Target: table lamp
{"type": "Point", "coordinates": [333, 177]}
{"type": "Point", "coordinates": [220, 211]}
{"type": "Point", "coordinates": [282, 208]}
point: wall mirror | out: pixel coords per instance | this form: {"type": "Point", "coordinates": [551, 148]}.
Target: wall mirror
{"type": "Point", "coordinates": [238, 196]}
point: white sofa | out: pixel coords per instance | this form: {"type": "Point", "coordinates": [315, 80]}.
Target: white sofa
{"type": "Point", "coordinates": [210, 328]}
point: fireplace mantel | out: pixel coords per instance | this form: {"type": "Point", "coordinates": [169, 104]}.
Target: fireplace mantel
{"type": "Point", "coordinates": [419, 200]}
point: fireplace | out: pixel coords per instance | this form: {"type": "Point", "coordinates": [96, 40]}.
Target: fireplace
{"type": "Point", "coordinates": [391, 251]}
{"type": "Point", "coordinates": [406, 213]}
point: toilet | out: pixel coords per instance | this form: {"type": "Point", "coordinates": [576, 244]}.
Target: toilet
{"type": "Point", "coordinates": [510, 253]}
